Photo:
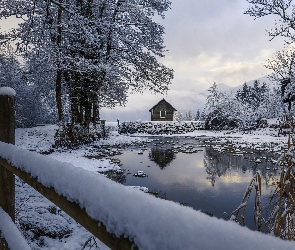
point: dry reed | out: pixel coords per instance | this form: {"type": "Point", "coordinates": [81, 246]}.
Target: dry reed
{"type": "Point", "coordinates": [281, 221]}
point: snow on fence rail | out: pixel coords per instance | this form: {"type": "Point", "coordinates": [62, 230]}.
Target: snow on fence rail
{"type": "Point", "coordinates": [151, 223]}
{"type": "Point", "coordinates": [13, 237]}
{"type": "Point", "coordinates": [107, 208]}
{"type": "Point", "coordinates": [156, 128]}
{"type": "Point", "coordinates": [64, 185]}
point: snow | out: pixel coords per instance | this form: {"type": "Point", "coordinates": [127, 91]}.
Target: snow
{"type": "Point", "coordinates": [45, 226]}
{"type": "Point", "coordinates": [144, 189]}
{"type": "Point", "coordinates": [7, 91]}
{"type": "Point", "coordinates": [33, 208]}
{"type": "Point", "coordinates": [151, 222]}
{"type": "Point", "coordinates": [39, 139]}
{"type": "Point", "coordinates": [77, 160]}
{"type": "Point", "coordinates": [10, 232]}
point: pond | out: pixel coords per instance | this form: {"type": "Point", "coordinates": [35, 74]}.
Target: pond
{"type": "Point", "coordinates": [211, 177]}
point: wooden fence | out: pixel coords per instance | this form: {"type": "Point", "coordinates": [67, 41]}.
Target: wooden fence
{"type": "Point", "coordinates": [166, 225]}
{"type": "Point", "coordinates": [7, 186]}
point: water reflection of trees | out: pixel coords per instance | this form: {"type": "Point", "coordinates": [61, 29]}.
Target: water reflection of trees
{"type": "Point", "coordinates": [119, 177]}
{"type": "Point", "coordinates": [216, 164]}
{"type": "Point", "coordinates": [162, 156]}
{"type": "Point", "coordinates": [219, 164]}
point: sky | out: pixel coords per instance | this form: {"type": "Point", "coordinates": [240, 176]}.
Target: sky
{"type": "Point", "coordinates": [207, 41]}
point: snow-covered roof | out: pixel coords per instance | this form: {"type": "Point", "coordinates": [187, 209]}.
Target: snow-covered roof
{"type": "Point", "coordinates": [163, 100]}
{"type": "Point", "coordinates": [7, 91]}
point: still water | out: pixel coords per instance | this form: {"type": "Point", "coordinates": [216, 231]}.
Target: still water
{"type": "Point", "coordinates": [189, 171]}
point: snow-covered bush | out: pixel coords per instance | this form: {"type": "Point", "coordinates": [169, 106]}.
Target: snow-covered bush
{"type": "Point", "coordinates": [247, 110]}
{"type": "Point", "coordinates": [218, 121]}
{"type": "Point", "coordinates": [74, 135]}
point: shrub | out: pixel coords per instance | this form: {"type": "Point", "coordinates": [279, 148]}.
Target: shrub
{"type": "Point", "coordinates": [217, 121]}
{"type": "Point", "coordinates": [73, 135]}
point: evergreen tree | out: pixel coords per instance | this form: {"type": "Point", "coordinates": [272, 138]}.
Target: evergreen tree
{"type": "Point", "coordinates": [222, 111]}
{"type": "Point", "coordinates": [198, 115]}
{"type": "Point", "coordinates": [243, 95]}
{"type": "Point", "coordinates": [214, 99]}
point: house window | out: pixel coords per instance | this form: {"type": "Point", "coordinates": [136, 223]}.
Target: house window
{"type": "Point", "coordinates": [162, 114]}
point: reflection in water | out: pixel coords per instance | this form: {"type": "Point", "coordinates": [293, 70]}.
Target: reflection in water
{"type": "Point", "coordinates": [162, 156]}
{"type": "Point", "coordinates": [117, 176]}
{"type": "Point", "coordinates": [211, 161]}
{"type": "Point", "coordinates": [224, 165]}
{"type": "Point", "coordinates": [208, 180]}
{"type": "Point", "coordinates": [217, 164]}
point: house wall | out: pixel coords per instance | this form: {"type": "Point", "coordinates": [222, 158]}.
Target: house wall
{"type": "Point", "coordinates": [155, 115]}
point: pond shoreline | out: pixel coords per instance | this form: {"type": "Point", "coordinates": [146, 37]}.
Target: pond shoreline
{"type": "Point", "coordinates": [158, 153]}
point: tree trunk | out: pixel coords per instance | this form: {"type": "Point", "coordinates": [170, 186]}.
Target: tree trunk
{"type": "Point", "coordinates": [95, 113]}
{"type": "Point", "coordinates": [87, 113]}
{"type": "Point", "coordinates": [59, 70]}
{"type": "Point", "coordinates": [74, 110]}
{"type": "Point", "coordinates": [58, 95]}
{"type": "Point", "coordinates": [81, 115]}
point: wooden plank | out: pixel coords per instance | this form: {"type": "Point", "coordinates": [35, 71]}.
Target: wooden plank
{"type": "Point", "coordinates": [7, 134]}
{"type": "Point", "coordinates": [73, 210]}
{"type": "Point", "coordinates": [3, 244]}
{"type": "Point", "coordinates": [7, 119]}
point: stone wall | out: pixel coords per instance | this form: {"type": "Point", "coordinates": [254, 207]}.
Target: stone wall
{"type": "Point", "coordinates": [156, 128]}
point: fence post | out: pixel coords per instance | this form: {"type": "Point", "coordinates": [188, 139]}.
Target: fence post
{"type": "Point", "coordinates": [7, 134]}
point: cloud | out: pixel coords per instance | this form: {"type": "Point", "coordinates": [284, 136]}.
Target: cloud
{"type": "Point", "coordinates": [206, 37]}
{"type": "Point", "coordinates": [207, 41]}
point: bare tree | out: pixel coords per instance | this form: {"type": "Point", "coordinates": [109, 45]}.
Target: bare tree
{"type": "Point", "coordinates": [283, 62]}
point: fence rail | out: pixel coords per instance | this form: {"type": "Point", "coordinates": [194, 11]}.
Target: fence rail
{"type": "Point", "coordinates": [72, 209]}
{"type": "Point", "coordinates": [7, 184]}
{"type": "Point", "coordinates": [152, 223]}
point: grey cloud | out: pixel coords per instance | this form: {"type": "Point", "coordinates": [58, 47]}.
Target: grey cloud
{"type": "Point", "coordinates": [217, 27]}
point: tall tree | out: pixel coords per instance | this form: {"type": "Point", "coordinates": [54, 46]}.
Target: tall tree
{"type": "Point", "coordinates": [100, 49]}
{"type": "Point", "coordinates": [283, 10]}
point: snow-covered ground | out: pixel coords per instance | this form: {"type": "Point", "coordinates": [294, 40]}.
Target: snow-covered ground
{"type": "Point", "coordinates": [46, 227]}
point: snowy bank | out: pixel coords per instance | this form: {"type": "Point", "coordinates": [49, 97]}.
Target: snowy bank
{"type": "Point", "coordinates": [11, 233]}
{"type": "Point", "coordinates": [150, 222]}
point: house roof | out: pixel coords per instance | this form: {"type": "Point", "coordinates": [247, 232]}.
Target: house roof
{"type": "Point", "coordinates": [163, 100]}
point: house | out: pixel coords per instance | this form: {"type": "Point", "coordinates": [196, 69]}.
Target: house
{"type": "Point", "coordinates": [162, 111]}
